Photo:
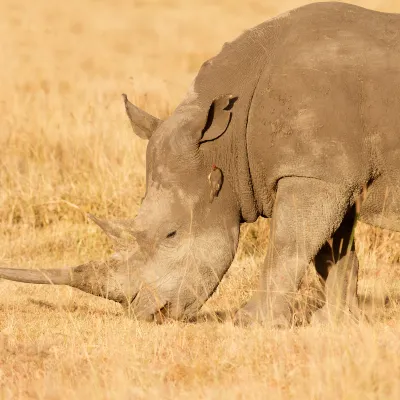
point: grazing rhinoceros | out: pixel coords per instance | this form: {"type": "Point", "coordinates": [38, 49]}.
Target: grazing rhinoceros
{"type": "Point", "coordinates": [292, 120]}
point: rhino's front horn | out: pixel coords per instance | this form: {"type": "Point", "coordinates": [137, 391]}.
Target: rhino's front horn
{"type": "Point", "coordinates": [49, 276]}
{"type": "Point", "coordinates": [96, 278]}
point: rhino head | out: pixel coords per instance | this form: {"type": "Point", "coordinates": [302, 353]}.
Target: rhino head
{"type": "Point", "coordinates": [174, 253]}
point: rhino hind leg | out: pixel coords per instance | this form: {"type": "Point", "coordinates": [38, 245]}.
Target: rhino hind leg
{"type": "Point", "coordinates": [337, 265]}
{"type": "Point", "coordinates": [306, 214]}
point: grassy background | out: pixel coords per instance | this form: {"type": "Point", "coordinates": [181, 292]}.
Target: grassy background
{"type": "Point", "coordinates": [64, 135]}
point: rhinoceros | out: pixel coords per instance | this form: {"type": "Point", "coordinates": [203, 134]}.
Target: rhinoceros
{"type": "Point", "coordinates": [295, 120]}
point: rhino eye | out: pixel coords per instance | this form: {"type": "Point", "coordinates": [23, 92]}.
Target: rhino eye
{"type": "Point", "coordinates": [171, 234]}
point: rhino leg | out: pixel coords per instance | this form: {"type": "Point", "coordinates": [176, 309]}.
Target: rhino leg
{"type": "Point", "coordinates": [381, 207]}
{"type": "Point", "coordinates": [306, 213]}
{"type": "Point", "coordinates": [337, 264]}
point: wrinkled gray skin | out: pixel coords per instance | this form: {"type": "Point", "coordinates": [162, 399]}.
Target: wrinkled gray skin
{"type": "Point", "coordinates": [300, 115]}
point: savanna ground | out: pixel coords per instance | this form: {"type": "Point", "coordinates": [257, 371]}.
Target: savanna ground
{"type": "Point", "coordinates": [64, 136]}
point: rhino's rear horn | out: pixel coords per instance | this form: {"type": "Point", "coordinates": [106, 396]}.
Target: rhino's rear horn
{"type": "Point", "coordinates": [120, 231]}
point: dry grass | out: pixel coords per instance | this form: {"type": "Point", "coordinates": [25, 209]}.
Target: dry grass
{"type": "Point", "coordinates": [63, 135]}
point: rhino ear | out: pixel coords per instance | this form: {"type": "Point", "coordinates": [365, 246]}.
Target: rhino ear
{"type": "Point", "coordinates": [143, 124]}
{"type": "Point", "coordinates": [219, 117]}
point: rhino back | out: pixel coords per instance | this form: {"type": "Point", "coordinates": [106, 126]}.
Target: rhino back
{"type": "Point", "coordinates": [327, 104]}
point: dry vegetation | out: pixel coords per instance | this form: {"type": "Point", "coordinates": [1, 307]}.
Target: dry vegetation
{"type": "Point", "coordinates": [64, 135]}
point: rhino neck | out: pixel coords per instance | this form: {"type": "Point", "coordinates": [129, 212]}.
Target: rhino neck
{"type": "Point", "coordinates": [230, 153]}
{"type": "Point", "coordinates": [236, 70]}
{"type": "Point", "coordinates": [231, 157]}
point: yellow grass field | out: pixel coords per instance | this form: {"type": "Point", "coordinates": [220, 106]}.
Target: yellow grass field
{"type": "Point", "coordinates": [64, 136]}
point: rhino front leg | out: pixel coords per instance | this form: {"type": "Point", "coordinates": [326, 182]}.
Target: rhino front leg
{"type": "Point", "coordinates": [306, 213]}
{"type": "Point", "coordinates": [337, 264]}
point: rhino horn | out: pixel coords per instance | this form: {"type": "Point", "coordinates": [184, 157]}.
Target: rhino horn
{"type": "Point", "coordinates": [62, 276]}
{"type": "Point", "coordinates": [119, 231]}
{"type": "Point", "coordinates": [143, 124]}
{"type": "Point", "coordinates": [93, 277]}
{"type": "Point", "coordinates": [114, 229]}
